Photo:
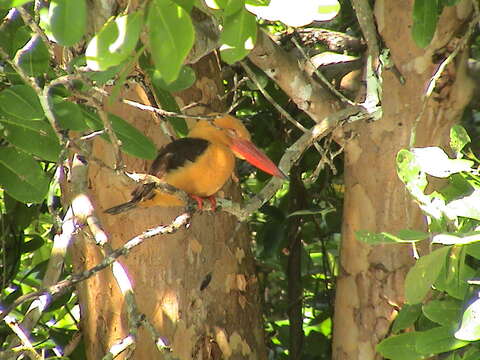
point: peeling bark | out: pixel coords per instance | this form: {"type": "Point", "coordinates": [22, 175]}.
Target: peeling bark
{"type": "Point", "coordinates": [370, 284]}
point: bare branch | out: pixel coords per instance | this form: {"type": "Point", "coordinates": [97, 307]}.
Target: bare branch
{"type": "Point", "coordinates": [281, 67]}
{"type": "Point", "coordinates": [367, 24]}
{"type": "Point", "coordinates": [23, 337]}
{"type": "Point", "coordinates": [291, 156]}
{"type": "Point", "coordinates": [62, 286]}
{"type": "Point", "coordinates": [31, 22]}
{"type": "Point", "coordinates": [322, 78]}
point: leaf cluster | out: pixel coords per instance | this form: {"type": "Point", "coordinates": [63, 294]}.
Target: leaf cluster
{"type": "Point", "coordinates": [440, 289]}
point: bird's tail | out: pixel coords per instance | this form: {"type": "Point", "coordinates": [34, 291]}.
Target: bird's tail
{"type": "Point", "coordinates": [142, 192]}
{"type": "Point", "coordinates": [122, 207]}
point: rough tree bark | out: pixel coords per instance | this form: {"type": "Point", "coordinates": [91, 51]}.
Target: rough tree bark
{"type": "Point", "coordinates": [223, 320]}
{"type": "Point", "coordinates": [370, 285]}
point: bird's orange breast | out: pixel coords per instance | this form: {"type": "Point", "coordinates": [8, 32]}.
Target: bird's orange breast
{"type": "Point", "coordinates": [202, 177]}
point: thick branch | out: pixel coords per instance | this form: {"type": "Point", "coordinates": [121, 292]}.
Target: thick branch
{"type": "Point", "coordinates": [283, 68]}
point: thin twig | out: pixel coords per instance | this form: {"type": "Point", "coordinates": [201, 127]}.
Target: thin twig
{"type": "Point", "coordinates": [167, 113]}
{"type": "Point", "coordinates": [267, 96]}
{"type": "Point", "coordinates": [127, 343]}
{"type": "Point", "coordinates": [27, 18]}
{"type": "Point", "coordinates": [22, 336]}
{"type": "Point", "coordinates": [291, 156]}
{"type": "Point", "coordinates": [367, 24]}
{"type": "Point", "coordinates": [322, 77]}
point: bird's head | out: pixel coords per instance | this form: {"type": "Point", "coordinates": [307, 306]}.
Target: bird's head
{"type": "Point", "coordinates": [230, 131]}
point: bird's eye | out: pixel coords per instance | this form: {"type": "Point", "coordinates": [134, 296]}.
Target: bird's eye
{"type": "Point", "coordinates": [232, 132]}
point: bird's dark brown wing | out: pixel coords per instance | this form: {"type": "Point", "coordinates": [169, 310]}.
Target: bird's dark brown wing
{"type": "Point", "coordinates": [172, 156]}
{"type": "Point", "coordinates": [176, 154]}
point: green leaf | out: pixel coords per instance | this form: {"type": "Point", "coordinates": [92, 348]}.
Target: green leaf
{"type": "Point", "coordinates": [425, 17]}
{"type": "Point", "coordinates": [322, 212]}
{"type": "Point", "coordinates": [458, 138]}
{"type": "Point", "coordinates": [438, 340]}
{"type": "Point", "coordinates": [423, 274]}
{"type": "Point", "coordinates": [35, 243]}
{"type": "Point", "coordinates": [133, 141]}
{"type": "Point", "coordinates": [186, 4]}
{"type": "Point", "coordinates": [68, 20]}
{"type": "Point", "coordinates": [450, 2]}
{"type": "Point", "coordinates": [7, 4]}
{"type": "Point", "coordinates": [13, 36]}
{"type": "Point", "coordinates": [34, 58]}
{"type": "Point", "coordinates": [69, 115]}
{"type": "Point", "coordinates": [171, 36]}
{"type": "Point", "coordinates": [454, 277]}
{"type": "Point", "coordinates": [458, 186]}
{"type": "Point", "coordinates": [238, 36]}
{"type": "Point", "coordinates": [400, 347]}
{"type": "Point", "coordinates": [186, 78]}
{"type": "Point", "coordinates": [473, 250]}
{"type": "Point", "coordinates": [406, 317]}
{"type": "Point", "coordinates": [115, 42]}
{"type": "Point", "coordinates": [21, 176]}
{"type": "Point", "coordinates": [19, 215]}
{"type": "Point", "coordinates": [167, 102]}
{"type": "Point", "coordinates": [444, 312]}
{"type": "Point", "coordinates": [257, 2]}
{"type": "Point", "coordinates": [230, 7]}
{"type": "Point", "coordinates": [409, 171]}
{"type": "Point", "coordinates": [373, 238]}
{"type": "Point", "coordinates": [34, 137]}
{"type": "Point", "coordinates": [409, 235]}
{"type": "Point", "coordinates": [22, 102]}
{"type": "Point", "coordinates": [387, 238]}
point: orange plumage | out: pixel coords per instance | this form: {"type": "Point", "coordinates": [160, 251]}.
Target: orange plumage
{"type": "Point", "coordinates": [199, 164]}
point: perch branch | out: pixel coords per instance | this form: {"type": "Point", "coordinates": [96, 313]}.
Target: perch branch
{"type": "Point", "coordinates": [291, 156]}
{"type": "Point", "coordinates": [283, 68]}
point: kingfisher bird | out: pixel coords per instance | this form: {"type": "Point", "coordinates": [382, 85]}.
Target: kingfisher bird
{"type": "Point", "coordinates": [199, 164]}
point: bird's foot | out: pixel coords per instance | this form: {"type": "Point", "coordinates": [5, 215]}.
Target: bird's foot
{"type": "Point", "coordinates": [199, 200]}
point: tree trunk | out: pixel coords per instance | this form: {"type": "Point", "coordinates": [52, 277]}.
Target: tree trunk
{"type": "Point", "coordinates": [198, 318]}
{"type": "Point", "coordinates": [370, 285]}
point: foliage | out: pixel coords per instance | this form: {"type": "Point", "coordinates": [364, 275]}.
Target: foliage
{"type": "Point", "coordinates": [442, 295]}
{"type": "Point", "coordinates": [425, 18]}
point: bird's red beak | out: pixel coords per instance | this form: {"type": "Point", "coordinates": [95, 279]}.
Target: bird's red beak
{"type": "Point", "coordinates": [245, 149]}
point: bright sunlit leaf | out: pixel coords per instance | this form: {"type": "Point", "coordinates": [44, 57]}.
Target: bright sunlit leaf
{"type": "Point", "coordinates": [297, 13]}
{"type": "Point", "coordinates": [115, 42]}
{"type": "Point", "coordinates": [425, 17]}
{"type": "Point", "coordinates": [21, 101]}
{"type": "Point", "coordinates": [238, 36]}
{"type": "Point", "coordinates": [423, 274]}
{"type": "Point", "coordinates": [434, 161]}
{"type": "Point", "coordinates": [21, 176]}
{"type": "Point", "coordinates": [68, 20]}
{"type": "Point", "coordinates": [171, 36]}
{"type": "Point", "coordinates": [470, 327]}
{"type": "Point", "coordinates": [458, 138]}
{"type": "Point", "coordinates": [6, 4]}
